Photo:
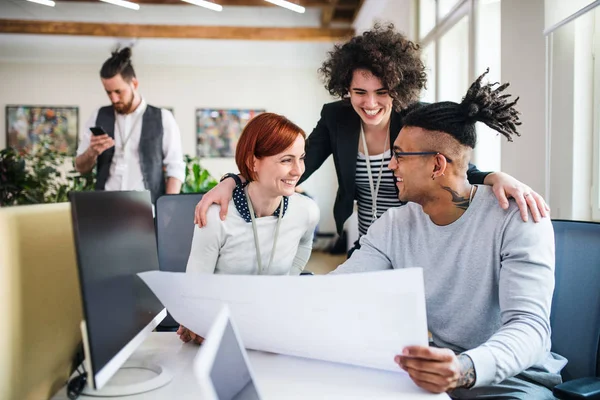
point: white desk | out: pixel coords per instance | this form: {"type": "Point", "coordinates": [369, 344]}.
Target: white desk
{"type": "Point", "coordinates": [278, 377]}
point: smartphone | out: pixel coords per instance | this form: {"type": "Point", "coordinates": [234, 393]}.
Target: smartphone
{"type": "Point", "coordinates": [98, 131]}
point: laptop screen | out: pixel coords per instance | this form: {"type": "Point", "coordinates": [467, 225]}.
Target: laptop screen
{"type": "Point", "coordinates": [230, 375]}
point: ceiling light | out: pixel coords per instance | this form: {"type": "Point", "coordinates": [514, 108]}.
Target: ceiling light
{"type": "Point", "coordinates": [123, 3]}
{"type": "Point", "coordinates": [206, 4]}
{"type": "Point", "coordinates": [288, 5]}
{"type": "Point", "coordinates": [49, 3]}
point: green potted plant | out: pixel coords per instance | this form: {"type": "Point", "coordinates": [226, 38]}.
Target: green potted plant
{"type": "Point", "coordinates": [38, 176]}
{"type": "Point", "coordinates": [197, 179]}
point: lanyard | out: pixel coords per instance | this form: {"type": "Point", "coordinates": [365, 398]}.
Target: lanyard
{"type": "Point", "coordinates": [374, 188]}
{"type": "Point", "coordinates": [258, 257]}
{"type": "Point", "coordinates": [125, 140]}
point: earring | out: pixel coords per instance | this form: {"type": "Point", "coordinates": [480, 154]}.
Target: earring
{"type": "Point", "coordinates": [433, 177]}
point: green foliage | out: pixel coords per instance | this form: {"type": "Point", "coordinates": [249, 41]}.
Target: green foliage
{"type": "Point", "coordinates": [197, 179]}
{"type": "Point", "coordinates": [13, 177]}
{"type": "Point", "coordinates": [38, 176]}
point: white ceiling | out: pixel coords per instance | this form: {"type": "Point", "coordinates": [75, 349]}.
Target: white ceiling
{"type": "Point", "coordinates": [194, 52]}
{"type": "Point", "coordinates": [159, 14]}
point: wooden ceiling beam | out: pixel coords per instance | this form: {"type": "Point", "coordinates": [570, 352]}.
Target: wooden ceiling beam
{"type": "Point", "coordinates": [174, 31]}
{"type": "Point", "coordinates": [357, 10]}
{"type": "Point", "coordinates": [327, 13]}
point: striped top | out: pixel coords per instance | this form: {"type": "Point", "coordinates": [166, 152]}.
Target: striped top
{"type": "Point", "coordinates": [386, 197]}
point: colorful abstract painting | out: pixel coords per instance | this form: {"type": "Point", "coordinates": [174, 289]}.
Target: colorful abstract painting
{"type": "Point", "coordinates": [26, 125]}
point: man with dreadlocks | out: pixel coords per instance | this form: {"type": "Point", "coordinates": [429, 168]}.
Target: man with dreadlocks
{"type": "Point", "coordinates": [489, 276]}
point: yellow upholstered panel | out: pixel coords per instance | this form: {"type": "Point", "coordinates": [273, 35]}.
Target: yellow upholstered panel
{"type": "Point", "coordinates": [40, 301]}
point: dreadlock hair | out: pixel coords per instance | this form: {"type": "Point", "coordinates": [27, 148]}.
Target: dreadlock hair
{"type": "Point", "coordinates": [119, 63]}
{"type": "Point", "coordinates": [482, 103]}
{"type": "Point", "coordinates": [384, 52]}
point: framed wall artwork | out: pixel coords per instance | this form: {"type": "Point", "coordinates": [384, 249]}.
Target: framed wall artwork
{"type": "Point", "coordinates": [26, 125]}
{"type": "Point", "coordinates": [218, 130]}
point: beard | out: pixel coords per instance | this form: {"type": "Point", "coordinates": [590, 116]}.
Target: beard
{"type": "Point", "coordinates": [124, 108]}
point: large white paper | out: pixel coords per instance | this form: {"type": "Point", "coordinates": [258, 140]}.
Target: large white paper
{"type": "Point", "coordinates": [362, 319]}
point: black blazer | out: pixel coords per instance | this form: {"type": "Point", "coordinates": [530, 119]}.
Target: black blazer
{"type": "Point", "coordinates": [337, 133]}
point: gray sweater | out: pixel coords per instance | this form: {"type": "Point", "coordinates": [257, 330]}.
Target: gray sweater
{"type": "Point", "coordinates": [489, 279]}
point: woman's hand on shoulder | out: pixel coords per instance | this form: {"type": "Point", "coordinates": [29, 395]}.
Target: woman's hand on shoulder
{"type": "Point", "coordinates": [505, 186]}
{"type": "Point", "coordinates": [221, 195]}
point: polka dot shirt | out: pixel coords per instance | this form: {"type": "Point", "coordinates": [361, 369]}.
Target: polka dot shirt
{"type": "Point", "coordinates": [241, 204]}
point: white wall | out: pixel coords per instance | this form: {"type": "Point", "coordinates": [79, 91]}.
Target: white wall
{"type": "Point", "coordinates": [523, 65]}
{"type": "Point", "coordinates": [294, 92]}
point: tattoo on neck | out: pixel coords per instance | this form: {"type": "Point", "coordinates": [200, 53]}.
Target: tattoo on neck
{"type": "Point", "coordinates": [467, 372]}
{"type": "Point", "coordinates": [458, 200]}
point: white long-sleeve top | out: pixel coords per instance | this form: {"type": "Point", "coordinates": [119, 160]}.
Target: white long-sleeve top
{"type": "Point", "coordinates": [227, 247]}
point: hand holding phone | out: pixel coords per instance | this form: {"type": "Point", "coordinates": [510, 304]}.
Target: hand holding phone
{"type": "Point", "coordinates": [98, 131]}
{"type": "Point", "coordinates": [99, 143]}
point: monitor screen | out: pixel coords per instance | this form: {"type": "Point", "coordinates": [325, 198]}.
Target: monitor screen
{"type": "Point", "coordinates": [114, 240]}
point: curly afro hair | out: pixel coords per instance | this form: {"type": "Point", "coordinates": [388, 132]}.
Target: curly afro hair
{"type": "Point", "coordinates": [387, 54]}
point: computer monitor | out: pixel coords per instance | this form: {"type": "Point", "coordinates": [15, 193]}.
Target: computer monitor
{"type": "Point", "coordinates": [114, 240]}
{"type": "Point", "coordinates": [221, 366]}
{"type": "Point", "coordinates": [39, 300]}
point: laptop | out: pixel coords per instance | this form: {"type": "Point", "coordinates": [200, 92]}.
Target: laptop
{"type": "Point", "coordinates": [221, 366]}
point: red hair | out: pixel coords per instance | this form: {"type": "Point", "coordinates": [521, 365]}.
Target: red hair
{"type": "Point", "coordinates": [265, 135]}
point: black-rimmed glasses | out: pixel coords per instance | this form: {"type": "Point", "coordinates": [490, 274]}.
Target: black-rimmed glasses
{"type": "Point", "coordinates": [398, 154]}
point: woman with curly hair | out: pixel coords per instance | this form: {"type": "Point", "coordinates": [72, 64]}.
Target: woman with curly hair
{"type": "Point", "coordinates": [379, 76]}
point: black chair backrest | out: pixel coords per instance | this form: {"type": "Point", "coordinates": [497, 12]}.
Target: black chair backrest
{"type": "Point", "coordinates": [174, 232]}
{"type": "Point", "coordinates": [175, 229]}
{"type": "Point", "coordinates": [575, 317]}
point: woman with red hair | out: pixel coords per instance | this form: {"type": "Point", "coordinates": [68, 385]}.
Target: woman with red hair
{"type": "Point", "coordinates": [270, 230]}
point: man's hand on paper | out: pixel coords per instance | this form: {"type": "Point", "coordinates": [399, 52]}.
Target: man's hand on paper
{"type": "Point", "coordinates": [436, 370]}
{"type": "Point", "coordinates": [186, 335]}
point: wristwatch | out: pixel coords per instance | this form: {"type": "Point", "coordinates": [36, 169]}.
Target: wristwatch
{"type": "Point", "coordinates": [238, 181]}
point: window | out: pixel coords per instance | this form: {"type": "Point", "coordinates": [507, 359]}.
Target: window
{"type": "Point", "coordinates": [487, 155]}
{"type": "Point", "coordinates": [573, 118]}
{"type": "Point", "coordinates": [428, 55]}
{"type": "Point", "coordinates": [426, 17]}
{"type": "Point", "coordinates": [595, 195]}
{"type": "Point", "coordinates": [460, 39]}
{"type": "Point", "coordinates": [445, 6]}
{"type": "Point", "coordinates": [453, 75]}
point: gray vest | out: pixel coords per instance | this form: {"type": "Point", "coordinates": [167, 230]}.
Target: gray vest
{"type": "Point", "coordinates": [150, 150]}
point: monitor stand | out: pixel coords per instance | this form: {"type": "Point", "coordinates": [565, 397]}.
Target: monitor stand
{"type": "Point", "coordinates": [133, 377]}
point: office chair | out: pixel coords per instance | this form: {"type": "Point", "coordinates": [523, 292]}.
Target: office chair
{"type": "Point", "coordinates": [575, 317]}
{"type": "Point", "coordinates": [174, 232]}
